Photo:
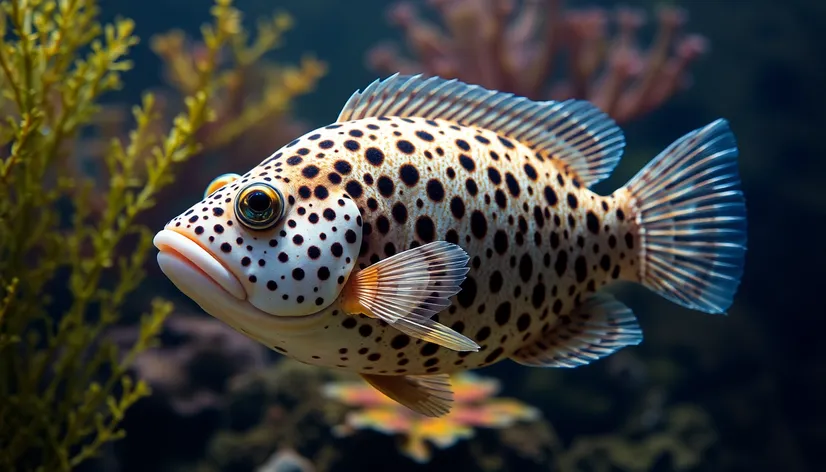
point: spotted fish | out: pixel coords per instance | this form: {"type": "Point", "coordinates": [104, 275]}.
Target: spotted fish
{"type": "Point", "coordinates": [438, 226]}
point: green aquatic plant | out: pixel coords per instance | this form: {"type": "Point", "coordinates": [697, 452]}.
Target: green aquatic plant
{"type": "Point", "coordinates": [66, 271]}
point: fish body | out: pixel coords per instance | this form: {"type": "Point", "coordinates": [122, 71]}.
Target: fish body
{"type": "Point", "coordinates": [439, 227]}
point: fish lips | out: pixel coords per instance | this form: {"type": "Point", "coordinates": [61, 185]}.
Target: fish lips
{"type": "Point", "coordinates": [190, 266]}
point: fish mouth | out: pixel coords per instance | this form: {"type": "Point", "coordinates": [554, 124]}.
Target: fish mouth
{"type": "Point", "coordinates": [186, 262]}
{"type": "Point", "coordinates": [204, 279]}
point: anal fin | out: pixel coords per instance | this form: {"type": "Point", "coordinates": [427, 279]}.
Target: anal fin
{"type": "Point", "coordinates": [407, 289]}
{"type": "Point", "coordinates": [597, 328]}
{"type": "Point", "coordinates": [429, 395]}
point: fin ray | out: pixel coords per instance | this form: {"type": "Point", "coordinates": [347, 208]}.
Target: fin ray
{"type": "Point", "coordinates": [429, 395]}
{"type": "Point", "coordinates": [408, 288]}
{"type": "Point", "coordinates": [599, 327]}
{"type": "Point", "coordinates": [692, 216]}
{"type": "Point", "coordinates": [575, 131]}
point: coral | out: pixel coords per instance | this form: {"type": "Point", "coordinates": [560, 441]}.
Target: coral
{"type": "Point", "coordinates": [521, 47]}
{"type": "Point", "coordinates": [473, 408]}
{"type": "Point", "coordinates": [63, 389]}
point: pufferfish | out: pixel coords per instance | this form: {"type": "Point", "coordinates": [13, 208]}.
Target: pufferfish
{"type": "Point", "coordinates": [437, 226]}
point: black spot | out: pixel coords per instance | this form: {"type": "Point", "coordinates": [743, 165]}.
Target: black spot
{"type": "Point", "coordinates": [494, 355]}
{"type": "Point", "coordinates": [349, 323]}
{"type": "Point", "coordinates": [217, 211]}
{"type": "Point", "coordinates": [457, 207]}
{"type": "Point", "coordinates": [605, 262]}
{"type": "Point", "coordinates": [343, 167]}
{"type": "Point", "coordinates": [399, 212]}
{"type": "Point", "coordinates": [383, 224]}
{"type": "Point", "coordinates": [218, 229]}
{"type": "Point", "coordinates": [538, 296]}
{"type": "Point", "coordinates": [463, 145]}
{"type": "Point", "coordinates": [503, 314]}
{"type": "Point", "coordinates": [356, 133]}
{"type": "Point", "coordinates": [425, 229]}
{"type": "Point", "coordinates": [334, 178]}
{"type": "Point", "coordinates": [554, 240]}
{"type": "Point", "coordinates": [385, 186]}
{"type": "Point", "coordinates": [581, 269]}
{"type": "Point", "coordinates": [272, 286]}
{"type": "Point", "coordinates": [352, 145]}
{"type": "Point", "coordinates": [505, 142]}
{"type": "Point", "coordinates": [226, 247]}
{"type": "Point", "coordinates": [326, 144]}
{"type": "Point", "coordinates": [629, 240]}
{"type": "Point", "coordinates": [572, 201]}
{"type": "Point", "coordinates": [295, 160]}
{"type": "Point", "coordinates": [321, 192]}
{"type": "Point", "coordinates": [550, 196]}
{"type": "Point", "coordinates": [561, 264]}
{"type": "Point", "coordinates": [435, 190]}
{"type": "Point", "coordinates": [452, 237]}
{"type": "Point", "coordinates": [620, 215]}
{"type": "Point", "coordinates": [495, 282]}
{"type": "Point", "coordinates": [310, 171]}
{"type": "Point", "coordinates": [500, 198]}
{"type": "Point", "coordinates": [283, 257]}
{"type": "Point", "coordinates": [513, 185]}
{"type": "Point", "coordinates": [471, 186]}
{"type": "Point", "coordinates": [592, 222]}
{"type": "Point", "coordinates": [400, 341]}
{"type": "Point", "coordinates": [467, 163]}
{"type": "Point", "coordinates": [494, 176]}
{"type": "Point", "coordinates": [336, 249]}
{"type": "Point", "coordinates": [374, 156]}
{"type": "Point", "coordinates": [323, 273]}
{"type": "Point", "coordinates": [409, 175]}
{"type": "Point", "coordinates": [429, 349]}
{"type": "Point", "coordinates": [365, 330]}
{"type": "Point", "coordinates": [354, 189]}
{"type": "Point", "coordinates": [530, 172]}
{"type": "Point", "coordinates": [314, 252]}
{"type": "Point", "coordinates": [525, 267]}
{"type": "Point", "coordinates": [483, 334]}
{"type": "Point", "coordinates": [478, 224]}
{"type": "Point", "coordinates": [523, 322]}
{"type": "Point", "coordinates": [482, 139]}
{"type": "Point", "coordinates": [298, 273]}
{"type": "Point", "coordinates": [329, 214]}
{"type": "Point", "coordinates": [500, 241]}
{"type": "Point", "coordinates": [298, 239]}
{"type": "Point", "coordinates": [405, 146]}
{"type": "Point", "coordinates": [350, 236]}
{"type": "Point", "coordinates": [467, 294]}
{"type": "Point", "coordinates": [424, 136]}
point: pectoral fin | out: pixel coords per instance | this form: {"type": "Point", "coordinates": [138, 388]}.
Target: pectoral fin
{"type": "Point", "coordinates": [599, 327]}
{"type": "Point", "coordinates": [407, 289]}
{"type": "Point", "coordinates": [430, 395]}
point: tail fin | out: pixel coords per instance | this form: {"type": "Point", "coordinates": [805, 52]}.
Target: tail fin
{"type": "Point", "coordinates": [692, 218]}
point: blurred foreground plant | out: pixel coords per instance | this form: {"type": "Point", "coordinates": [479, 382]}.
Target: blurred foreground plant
{"type": "Point", "coordinates": [63, 389]}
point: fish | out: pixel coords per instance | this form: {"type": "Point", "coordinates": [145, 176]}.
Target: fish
{"type": "Point", "coordinates": [437, 226]}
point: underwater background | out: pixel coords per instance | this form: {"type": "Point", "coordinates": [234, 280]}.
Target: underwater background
{"type": "Point", "coordinates": [743, 392]}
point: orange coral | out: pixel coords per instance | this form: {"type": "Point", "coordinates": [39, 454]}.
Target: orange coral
{"type": "Point", "coordinates": [473, 407]}
{"type": "Point", "coordinates": [500, 46]}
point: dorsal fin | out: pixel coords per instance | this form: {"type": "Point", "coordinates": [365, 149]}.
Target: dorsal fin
{"type": "Point", "coordinates": [575, 131]}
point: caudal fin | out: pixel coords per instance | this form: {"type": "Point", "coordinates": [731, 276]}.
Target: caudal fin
{"type": "Point", "coordinates": [692, 220]}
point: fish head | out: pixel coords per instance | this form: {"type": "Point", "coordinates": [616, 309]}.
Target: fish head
{"type": "Point", "coordinates": [265, 243]}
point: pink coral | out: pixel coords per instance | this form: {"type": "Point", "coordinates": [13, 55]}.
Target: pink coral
{"type": "Point", "coordinates": [522, 47]}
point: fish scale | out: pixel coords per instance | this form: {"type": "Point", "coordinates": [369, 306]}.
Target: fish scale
{"type": "Point", "coordinates": [523, 265]}
{"type": "Point", "coordinates": [439, 227]}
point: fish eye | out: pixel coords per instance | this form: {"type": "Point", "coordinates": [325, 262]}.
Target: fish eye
{"type": "Point", "coordinates": [259, 206]}
{"type": "Point", "coordinates": [220, 181]}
